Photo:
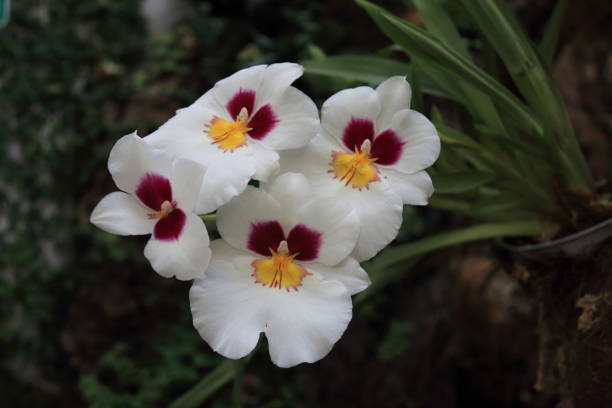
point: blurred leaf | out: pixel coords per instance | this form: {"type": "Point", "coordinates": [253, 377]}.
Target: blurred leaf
{"type": "Point", "coordinates": [421, 45]}
{"type": "Point", "coordinates": [412, 224]}
{"type": "Point", "coordinates": [451, 203]}
{"type": "Point", "coordinates": [416, 84]}
{"type": "Point", "coordinates": [439, 23]}
{"type": "Point", "coordinates": [372, 70]}
{"type": "Point", "coordinates": [460, 182]}
{"type": "Point", "coordinates": [499, 24]}
{"type": "Point", "coordinates": [316, 52]}
{"type": "Point", "coordinates": [498, 207]}
{"type": "Point", "coordinates": [398, 340]}
{"type": "Point", "coordinates": [550, 39]}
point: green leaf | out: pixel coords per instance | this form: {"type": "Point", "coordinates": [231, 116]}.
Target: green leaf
{"type": "Point", "coordinates": [438, 22]}
{"type": "Point", "coordinates": [423, 46]}
{"type": "Point", "coordinates": [394, 255]}
{"type": "Point", "coordinates": [551, 33]}
{"type": "Point", "coordinates": [398, 340]}
{"type": "Point", "coordinates": [394, 262]}
{"type": "Point", "coordinates": [503, 31]}
{"type": "Point", "coordinates": [498, 207]}
{"type": "Point", "coordinates": [369, 69]}
{"type": "Point", "coordinates": [460, 182]}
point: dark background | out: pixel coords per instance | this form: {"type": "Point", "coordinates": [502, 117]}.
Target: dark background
{"type": "Point", "coordinates": [86, 322]}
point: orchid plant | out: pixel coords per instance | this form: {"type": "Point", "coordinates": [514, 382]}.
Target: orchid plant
{"type": "Point", "coordinates": [330, 195]}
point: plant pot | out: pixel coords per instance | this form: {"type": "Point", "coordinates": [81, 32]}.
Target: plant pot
{"type": "Point", "coordinates": [570, 284]}
{"type": "Point", "coordinates": [579, 242]}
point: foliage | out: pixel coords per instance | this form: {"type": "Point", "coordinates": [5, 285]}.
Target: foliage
{"type": "Point", "coordinates": [505, 156]}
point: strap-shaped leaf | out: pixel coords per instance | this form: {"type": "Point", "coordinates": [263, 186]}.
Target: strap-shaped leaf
{"type": "Point", "coordinates": [551, 33]}
{"type": "Point", "coordinates": [422, 45]}
{"type": "Point", "coordinates": [440, 24]}
{"type": "Point", "coordinates": [369, 69]}
{"type": "Point", "coordinates": [460, 182]}
{"type": "Point", "coordinates": [499, 24]}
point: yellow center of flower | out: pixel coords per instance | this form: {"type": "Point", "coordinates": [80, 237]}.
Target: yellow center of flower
{"type": "Point", "coordinates": [279, 271]}
{"type": "Point", "coordinates": [355, 169]}
{"type": "Point", "coordinates": [166, 208]}
{"type": "Point", "coordinates": [229, 135]}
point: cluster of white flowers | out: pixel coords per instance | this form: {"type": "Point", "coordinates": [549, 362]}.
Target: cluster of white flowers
{"type": "Point", "coordinates": [330, 195]}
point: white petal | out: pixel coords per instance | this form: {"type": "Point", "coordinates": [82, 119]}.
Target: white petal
{"type": "Point", "coordinates": [303, 326]}
{"type": "Point", "coordinates": [227, 175]}
{"type": "Point", "coordinates": [130, 158]}
{"type": "Point", "coordinates": [337, 111]}
{"type": "Point", "coordinates": [298, 121]}
{"type": "Point", "coordinates": [380, 214]}
{"type": "Point", "coordinates": [313, 161]}
{"type": "Point", "coordinates": [276, 79]}
{"type": "Point", "coordinates": [187, 179]}
{"type": "Point", "coordinates": [120, 213]}
{"type": "Point", "coordinates": [235, 218]}
{"type": "Point", "coordinates": [422, 144]}
{"type": "Point", "coordinates": [184, 132]}
{"type": "Point", "coordinates": [348, 272]}
{"type": "Point", "coordinates": [338, 224]}
{"type": "Point", "coordinates": [266, 161]}
{"type": "Point", "coordinates": [394, 95]}
{"type": "Point", "coordinates": [230, 310]}
{"type": "Point", "coordinates": [290, 190]}
{"type": "Point", "coordinates": [187, 257]}
{"type": "Point", "coordinates": [218, 97]}
{"type": "Point", "coordinates": [415, 189]}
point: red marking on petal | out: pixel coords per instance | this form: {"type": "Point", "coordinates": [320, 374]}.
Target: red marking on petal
{"type": "Point", "coordinates": [170, 227]}
{"type": "Point", "coordinates": [262, 122]}
{"type": "Point", "coordinates": [387, 148]}
{"type": "Point", "coordinates": [304, 243]}
{"type": "Point", "coordinates": [357, 130]}
{"type": "Point", "coordinates": [244, 98]}
{"type": "Point", "coordinates": [153, 190]}
{"type": "Point", "coordinates": [265, 236]}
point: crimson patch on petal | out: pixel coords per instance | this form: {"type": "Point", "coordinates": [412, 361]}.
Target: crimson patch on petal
{"type": "Point", "coordinates": [153, 190]}
{"type": "Point", "coordinates": [170, 227]}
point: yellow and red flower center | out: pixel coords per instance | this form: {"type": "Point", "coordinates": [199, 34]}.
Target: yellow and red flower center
{"type": "Point", "coordinates": [155, 191]}
{"type": "Point", "coordinates": [358, 167]}
{"type": "Point", "coordinates": [279, 271]}
{"type": "Point", "coordinates": [279, 268]}
{"type": "Point", "coordinates": [355, 169]}
{"type": "Point", "coordinates": [229, 135]}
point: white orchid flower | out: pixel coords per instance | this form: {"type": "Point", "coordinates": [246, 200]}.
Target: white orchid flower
{"type": "Point", "coordinates": [158, 196]}
{"type": "Point", "coordinates": [371, 153]}
{"type": "Point", "coordinates": [237, 127]}
{"type": "Point", "coordinates": [280, 268]}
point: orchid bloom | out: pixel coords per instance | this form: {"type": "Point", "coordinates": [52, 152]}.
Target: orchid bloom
{"type": "Point", "coordinates": [371, 153]}
{"type": "Point", "coordinates": [237, 127]}
{"type": "Point", "coordinates": [281, 267]}
{"type": "Point", "coordinates": [158, 196]}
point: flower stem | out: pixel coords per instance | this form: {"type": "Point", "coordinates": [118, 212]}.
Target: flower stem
{"type": "Point", "coordinates": [209, 217]}
{"type": "Point", "coordinates": [238, 381]}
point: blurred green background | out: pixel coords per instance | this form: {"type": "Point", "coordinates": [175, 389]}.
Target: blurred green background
{"type": "Point", "coordinates": [86, 322]}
